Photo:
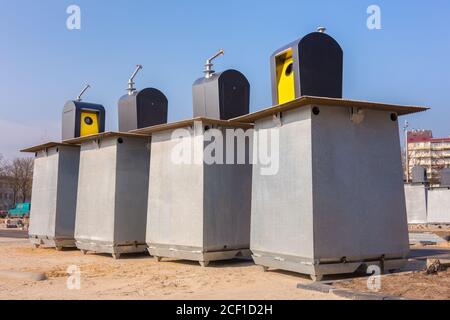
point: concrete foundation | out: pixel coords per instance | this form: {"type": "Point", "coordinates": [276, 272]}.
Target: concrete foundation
{"type": "Point", "coordinates": [54, 194]}
{"type": "Point", "coordinates": [416, 203]}
{"type": "Point", "coordinates": [112, 194]}
{"type": "Point", "coordinates": [196, 211]}
{"type": "Point", "coordinates": [337, 202]}
{"type": "Point", "coordinates": [439, 206]}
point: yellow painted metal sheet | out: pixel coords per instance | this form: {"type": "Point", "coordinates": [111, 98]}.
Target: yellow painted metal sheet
{"type": "Point", "coordinates": [89, 123]}
{"type": "Point", "coordinates": [285, 77]}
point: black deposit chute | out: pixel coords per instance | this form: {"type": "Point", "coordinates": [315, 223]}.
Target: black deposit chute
{"type": "Point", "coordinates": [224, 95]}
{"type": "Point", "coordinates": [141, 109]}
{"type": "Point", "coordinates": [82, 118]}
{"type": "Point", "coordinates": [310, 66]}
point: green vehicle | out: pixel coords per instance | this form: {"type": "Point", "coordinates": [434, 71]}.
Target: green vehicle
{"type": "Point", "coordinates": [20, 211]}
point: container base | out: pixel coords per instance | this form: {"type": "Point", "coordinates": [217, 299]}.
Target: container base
{"type": "Point", "coordinates": [58, 243]}
{"type": "Point", "coordinates": [195, 253]}
{"type": "Point", "coordinates": [317, 270]}
{"type": "Point", "coordinates": [115, 249]}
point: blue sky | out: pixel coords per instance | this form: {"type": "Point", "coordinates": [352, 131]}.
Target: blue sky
{"type": "Point", "coordinates": [43, 64]}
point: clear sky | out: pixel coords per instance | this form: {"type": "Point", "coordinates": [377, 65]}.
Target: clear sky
{"type": "Point", "coordinates": [43, 64]}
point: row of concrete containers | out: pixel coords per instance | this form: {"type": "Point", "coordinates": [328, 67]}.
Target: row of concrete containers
{"type": "Point", "coordinates": [331, 200]}
{"type": "Point", "coordinates": [425, 205]}
{"type": "Point", "coordinates": [335, 203]}
{"type": "Point", "coordinates": [202, 211]}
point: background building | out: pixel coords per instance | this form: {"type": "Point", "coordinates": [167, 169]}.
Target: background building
{"type": "Point", "coordinates": [431, 153]}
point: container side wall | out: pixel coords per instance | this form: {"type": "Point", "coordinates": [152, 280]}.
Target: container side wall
{"type": "Point", "coordinates": [439, 206]}
{"type": "Point", "coordinates": [96, 191]}
{"type": "Point", "coordinates": [282, 200]}
{"type": "Point", "coordinates": [416, 203]}
{"type": "Point", "coordinates": [175, 206]}
{"type": "Point", "coordinates": [69, 162]}
{"type": "Point", "coordinates": [133, 161]}
{"type": "Point", "coordinates": [227, 197]}
{"type": "Point", "coordinates": [44, 195]}
{"type": "Point", "coordinates": [359, 200]}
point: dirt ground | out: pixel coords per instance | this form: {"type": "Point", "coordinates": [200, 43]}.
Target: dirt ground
{"type": "Point", "coordinates": [416, 285]}
{"type": "Point", "coordinates": [139, 277]}
{"type": "Point", "coordinates": [442, 231]}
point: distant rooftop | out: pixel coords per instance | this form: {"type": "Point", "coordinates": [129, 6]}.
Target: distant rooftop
{"type": "Point", "coordinates": [424, 136]}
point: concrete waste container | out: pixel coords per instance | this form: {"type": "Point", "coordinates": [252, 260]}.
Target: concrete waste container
{"type": "Point", "coordinates": [445, 178]}
{"type": "Point", "coordinates": [439, 206]}
{"type": "Point", "coordinates": [337, 202]}
{"type": "Point", "coordinates": [54, 194]}
{"type": "Point", "coordinates": [111, 209]}
{"type": "Point", "coordinates": [427, 205]}
{"type": "Point", "coordinates": [416, 196]}
{"type": "Point", "coordinates": [197, 210]}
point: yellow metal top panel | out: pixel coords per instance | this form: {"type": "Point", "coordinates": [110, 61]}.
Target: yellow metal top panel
{"type": "Point", "coordinates": [332, 102]}
{"type": "Point", "coordinates": [285, 76]}
{"type": "Point", "coordinates": [46, 146]}
{"type": "Point", "coordinates": [89, 123]}
{"type": "Point", "coordinates": [188, 122]}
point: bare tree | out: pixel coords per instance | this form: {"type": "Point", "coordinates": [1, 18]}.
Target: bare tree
{"type": "Point", "coordinates": [3, 165]}
{"type": "Point", "coordinates": [26, 179]}
{"type": "Point", "coordinates": [20, 171]}
{"type": "Point", "coordinates": [13, 172]}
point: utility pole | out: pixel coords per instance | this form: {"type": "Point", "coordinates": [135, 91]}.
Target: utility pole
{"type": "Point", "coordinates": [405, 128]}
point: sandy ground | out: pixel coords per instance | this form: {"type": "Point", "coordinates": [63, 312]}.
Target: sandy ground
{"type": "Point", "coordinates": [139, 277]}
{"type": "Point", "coordinates": [416, 285]}
{"type": "Point", "coordinates": [442, 231]}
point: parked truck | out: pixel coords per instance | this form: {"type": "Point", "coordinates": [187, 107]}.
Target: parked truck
{"type": "Point", "coordinates": [21, 210]}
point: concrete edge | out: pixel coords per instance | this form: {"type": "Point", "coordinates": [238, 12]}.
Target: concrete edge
{"type": "Point", "coordinates": [327, 287]}
{"type": "Point", "coordinates": [316, 286]}
{"type": "Point", "coordinates": [20, 275]}
{"type": "Point", "coordinates": [357, 295]}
